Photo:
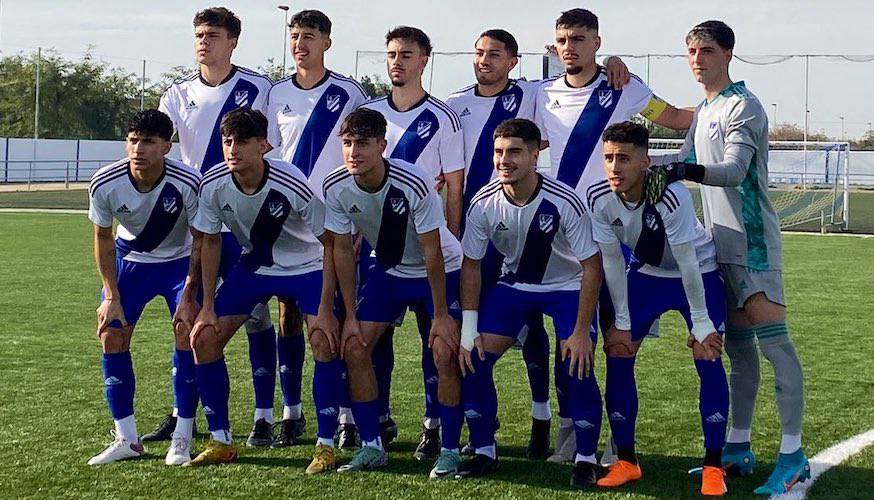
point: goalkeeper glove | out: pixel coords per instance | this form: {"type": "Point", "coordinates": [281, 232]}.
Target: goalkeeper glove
{"type": "Point", "coordinates": [659, 177]}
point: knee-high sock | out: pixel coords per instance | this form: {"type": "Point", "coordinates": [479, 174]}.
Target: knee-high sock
{"type": "Point", "coordinates": [564, 410]}
{"type": "Point", "coordinates": [291, 351]}
{"type": "Point", "coordinates": [262, 356]}
{"type": "Point", "coordinates": [777, 347]}
{"type": "Point", "coordinates": [740, 345]}
{"type": "Point", "coordinates": [451, 421]}
{"type": "Point", "coordinates": [215, 389]}
{"type": "Point", "coordinates": [712, 402]}
{"type": "Point", "coordinates": [366, 415]}
{"type": "Point", "coordinates": [480, 400]}
{"type": "Point", "coordinates": [383, 364]}
{"type": "Point", "coordinates": [584, 402]}
{"type": "Point", "coordinates": [185, 383]}
{"type": "Point", "coordinates": [429, 369]}
{"type": "Point", "coordinates": [118, 376]}
{"type": "Point", "coordinates": [621, 400]}
{"type": "Point", "coordinates": [535, 353]}
{"type": "Point", "coordinates": [329, 388]}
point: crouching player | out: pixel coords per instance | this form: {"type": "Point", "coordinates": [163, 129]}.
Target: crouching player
{"type": "Point", "coordinates": [154, 200]}
{"type": "Point", "coordinates": [400, 216]}
{"type": "Point", "coordinates": [278, 220]}
{"type": "Point", "coordinates": [551, 267]}
{"type": "Point", "coordinates": [673, 267]}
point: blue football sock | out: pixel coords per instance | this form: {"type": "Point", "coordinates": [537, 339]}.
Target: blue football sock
{"type": "Point", "coordinates": [328, 389]}
{"type": "Point", "coordinates": [118, 376]}
{"type": "Point", "coordinates": [429, 369]}
{"type": "Point", "coordinates": [480, 400]}
{"type": "Point", "coordinates": [292, 351]}
{"type": "Point", "coordinates": [621, 400]}
{"type": "Point", "coordinates": [366, 414]}
{"type": "Point", "coordinates": [584, 402]}
{"type": "Point", "coordinates": [535, 353]}
{"type": "Point", "coordinates": [451, 421]}
{"type": "Point", "coordinates": [712, 402]}
{"type": "Point", "coordinates": [262, 357]}
{"type": "Point", "coordinates": [215, 390]}
{"type": "Point", "coordinates": [383, 364]}
{"type": "Point", "coordinates": [185, 383]}
{"type": "Point", "coordinates": [564, 410]}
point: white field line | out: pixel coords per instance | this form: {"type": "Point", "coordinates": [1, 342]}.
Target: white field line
{"type": "Point", "coordinates": [828, 458]}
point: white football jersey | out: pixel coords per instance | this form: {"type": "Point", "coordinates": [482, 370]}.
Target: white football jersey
{"type": "Point", "coordinates": [304, 122]}
{"type": "Point", "coordinates": [196, 110]}
{"type": "Point", "coordinates": [650, 230]}
{"type": "Point", "coordinates": [152, 226]}
{"type": "Point", "coordinates": [392, 218]}
{"type": "Point", "coordinates": [542, 242]}
{"type": "Point", "coordinates": [277, 226]}
{"type": "Point", "coordinates": [427, 135]}
{"type": "Point", "coordinates": [573, 119]}
{"type": "Point", "coordinates": [480, 115]}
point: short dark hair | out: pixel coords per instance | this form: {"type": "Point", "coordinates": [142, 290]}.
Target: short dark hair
{"type": "Point", "coordinates": [577, 18]}
{"type": "Point", "coordinates": [412, 34]}
{"type": "Point", "coordinates": [151, 122]}
{"type": "Point", "coordinates": [219, 17]}
{"type": "Point", "coordinates": [504, 37]}
{"type": "Point", "coordinates": [627, 133]}
{"type": "Point", "coordinates": [716, 31]}
{"type": "Point", "coordinates": [311, 18]}
{"type": "Point", "coordinates": [244, 124]}
{"type": "Point", "coordinates": [364, 122]}
{"type": "Point", "coordinates": [521, 128]}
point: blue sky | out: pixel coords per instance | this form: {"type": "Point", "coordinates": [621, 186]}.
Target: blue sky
{"type": "Point", "coordinates": [124, 32]}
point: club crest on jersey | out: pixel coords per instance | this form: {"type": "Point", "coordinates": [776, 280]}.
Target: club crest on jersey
{"type": "Point", "coordinates": [605, 98]}
{"type": "Point", "coordinates": [546, 222]}
{"type": "Point", "coordinates": [241, 97]}
{"type": "Point", "coordinates": [275, 208]}
{"type": "Point", "coordinates": [509, 102]}
{"type": "Point", "coordinates": [713, 130]}
{"type": "Point", "coordinates": [398, 205]}
{"type": "Point", "coordinates": [423, 129]}
{"type": "Point", "coordinates": [333, 103]}
{"type": "Point", "coordinates": [651, 222]}
{"type": "Point", "coordinates": [169, 204]}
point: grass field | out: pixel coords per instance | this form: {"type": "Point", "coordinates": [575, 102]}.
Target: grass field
{"type": "Point", "coordinates": [53, 416]}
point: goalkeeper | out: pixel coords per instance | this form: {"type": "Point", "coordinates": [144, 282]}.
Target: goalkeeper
{"type": "Point", "coordinates": [726, 151]}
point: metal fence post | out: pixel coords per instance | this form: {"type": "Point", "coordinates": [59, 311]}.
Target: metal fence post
{"type": "Point", "coordinates": [67, 175]}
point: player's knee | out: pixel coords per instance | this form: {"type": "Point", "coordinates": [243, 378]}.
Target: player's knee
{"type": "Point", "coordinates": [355, 353]}
{"type": "Point", "coordinates": [115, 340]}
{"type": "Point", "coordinates": [321, 347]}
{"type": "Point", "coordinates": [182, 335]}
{"type": "Point", "coordinates": [290, 320]}
{"type": "Point", "coordinates": [698, 351]}
{"type": "Point", "coordinates": [205, 341]}
{"type": "Point", "coordinates": [445, 358]}
{"type": "Point", "coordinates": [620, 348]}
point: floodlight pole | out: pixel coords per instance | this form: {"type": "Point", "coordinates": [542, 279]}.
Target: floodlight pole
{"type": "Point", "coordinates": [143, 88]}
{"type": "Point", "coordinates": [284, 8]}
{"type": "Point", "coordinates": [36, 98]}
{"type": "Point", "coordinates": [775, 113]}
{"type": "Point", "coordinates": [806, 116]}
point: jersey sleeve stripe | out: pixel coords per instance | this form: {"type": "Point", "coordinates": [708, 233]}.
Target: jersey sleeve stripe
{"type": "Point", "coordinates": [353, 81]}
{"type": "Point", "coordinates": [594, 199]}
{"type": "Point", "coordinates": [330, 182]}
{"type": "Point", "coordinates": [109, 169]}
{"type": "Point", "coordinates": [673, 196]}
{"type": "Point", "coordinates": [247, 71]}
{"type": "Point", "coordinates": [104, 180]}
{"type": "Point", "coordinates": [401, 173]}
{"type": "Point", "coordinates": [375, 100]}
{"type": "Point", "coordinates": [184, 172]}
{"type": "Point", "coordinates": [564, 188]}
{"type": "Point", "coordinates": [453, 117]}
{"type": "Point", "coordinates": [215, 171]}
{"type": "Point", "coordinates": [207, 180]}
{"type": "Point", "coordinates": [292, 180]}
{"type": "Point", "coordinates": [184, 180]}
{"type": "Point", "coordinates": [303, 195]}
{"type": "Point", "coordinates": [415, 187]}
{"type": "Point", "coordinates": [574, 203]}
{"type": "Point", "coordinates": [482, 194]}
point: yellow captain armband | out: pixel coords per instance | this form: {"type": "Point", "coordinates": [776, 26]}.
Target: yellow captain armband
{"type": "Point", "coordinates": [654, 108]}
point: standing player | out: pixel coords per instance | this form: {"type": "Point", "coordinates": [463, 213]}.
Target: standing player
{"type": "Point", "coordinates": [424, 131]}
{"type": "Point", "coordinates": [417, 264]}
{"type": "Point", "coordinates": [279, 221]}
{"type": "Point", "coordinates": [196, 104]}
{"type": "Point", "coordinates": [154, 200]}
{"type": "Point", "coordinates": [673, 267]}
{"type": "Point", "coordinates": [551, 267]}
{"type": "Point", "coordinates": [573, 110]}
{"type": "Point", "coordinates": [728, 153]}
{"type": "Point", "coordinates": [305, 111]}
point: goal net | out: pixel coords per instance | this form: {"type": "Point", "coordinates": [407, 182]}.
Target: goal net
{"type": "Point", "coordinates": [808, 181]}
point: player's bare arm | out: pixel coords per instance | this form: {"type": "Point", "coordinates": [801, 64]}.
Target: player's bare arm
{"type": "Point", "coordinates": [104, 253]}
{"type": "Point", "coordinates": [471, 286]}
{"type": "Point", "coordinates": [326, 321]}
{"type": "Point", "coordinates": [454, 200]}
{"type": "Point", "coordinates": [578, 347]}
{"type": "Point", "coordinates": [443, 326]}
{"type": "Point", "coordinates": [186, 312]}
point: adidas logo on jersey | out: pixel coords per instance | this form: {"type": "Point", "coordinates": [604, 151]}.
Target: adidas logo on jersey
{"type": "Point", "coordinates": [715, 418]}
{"type": "Point", "coordinates": [555, 105]}
{"type": "Point", "coordinates": [123, 210]}
{"type": "Point", "coordinates": [227, 208]}
{"type": "Point", "coordinates": [354, 209]}
{"type": "Point", "coordinates": [501, 227]}
{"type": "Point", "coordinates": [465, 112]}
{"type": "Point", "coordinates": [617, 222]}
{"type": "Point", "coordinates": [286, 109]}
{"type": "Point", "coordinates": [191, 105]}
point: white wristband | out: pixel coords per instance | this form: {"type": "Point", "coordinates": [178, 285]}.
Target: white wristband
{"type": "Point", "coordinates": [469, 331]}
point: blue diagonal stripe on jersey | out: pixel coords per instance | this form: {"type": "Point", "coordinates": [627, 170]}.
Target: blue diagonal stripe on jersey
{"type": "Point", "coordinates": [321, 122]}
{"type": "Point", "coordinates": [650, 247]}
{"type": "Point", "coordinates": [482, 164]}
{"type": "Point", "coordinates": [538, 245]}
{"type": "Point", "coordinates": [213, 155]}
{"type": "Point", "coordinates": [168, 206]}
{"type": "Point", "coordinates": [266, 230]}
{"type": "Point", "coordinates": [585, 136]}
{"type": "Point", "coordinates": [420, 132]}
{"type": "Point", "coordinates": [392, 239]}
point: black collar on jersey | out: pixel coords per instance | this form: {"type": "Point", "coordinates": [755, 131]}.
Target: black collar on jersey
{"type": "Point", "coordinates": [157, 182]}
{"type": "Point", "coordinates": [230, 75]}
{"type": "Point", "coordinates": [260, 184]}
{"type": "Point", "coordinates": [323, 80]}
{"type": "Point", "coordinates": [632, 207]}
{"type": "Point", "coordinates": [414, 106]}
{"type": "Point", "coordinates": [530, 198]}
{"type": "Point", "coordinates": [598, 72]}
{"type": "Point", "coordinates": [510, 83]}
{"type": "Point", "coordinates": [382, 183]}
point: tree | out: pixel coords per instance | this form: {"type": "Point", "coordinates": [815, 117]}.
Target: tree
{"type": "Point", "coordinates": [374, 86]}
{"type": "Point", "coordinates": [274, 71]}
{"type": "Point", "coordinates": [792, 132]}
{"type": "Point", "coordinates": [865, 143]}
